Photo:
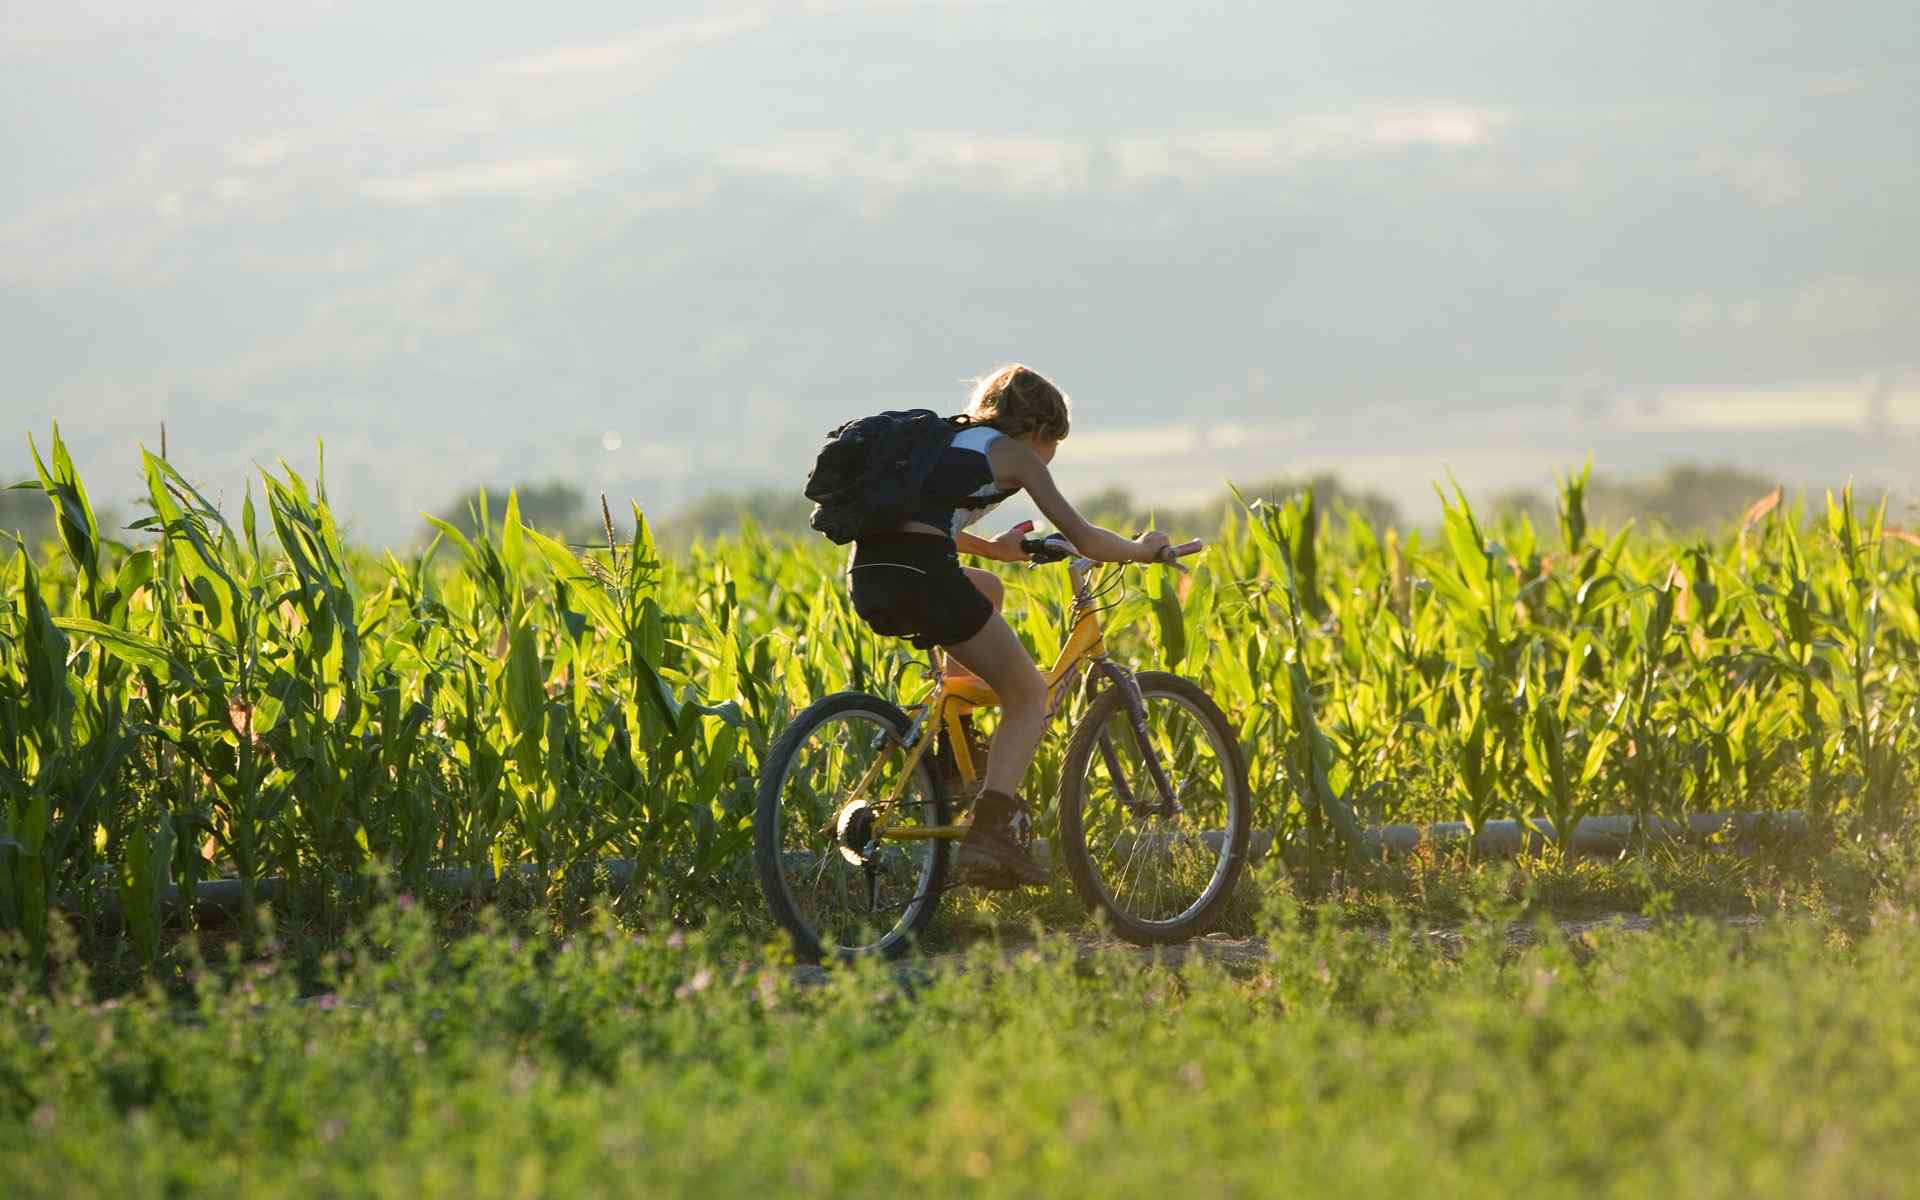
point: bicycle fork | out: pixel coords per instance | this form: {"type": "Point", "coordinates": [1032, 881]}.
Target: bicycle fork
{"type": "Point", "coordinates": [1136, 707]}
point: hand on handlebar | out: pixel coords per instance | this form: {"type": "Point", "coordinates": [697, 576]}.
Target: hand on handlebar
{"type": "Point", "coordinates": [1055, 547]}
{"type": "Point", "coordinates": [1153, 546]}
{"type": "Point", "coordinates": [1011, 545]}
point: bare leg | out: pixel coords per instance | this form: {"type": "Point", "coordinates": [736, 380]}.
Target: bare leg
{"type": "Point", "coordinates": [989, 586]}
{"type": "Point", "coordinates": [996, 655]}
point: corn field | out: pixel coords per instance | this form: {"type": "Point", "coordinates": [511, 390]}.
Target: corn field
{"type": "Point", "coordinates": [199, 696]}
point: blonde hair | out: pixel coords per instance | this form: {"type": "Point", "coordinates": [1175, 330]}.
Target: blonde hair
{"type": "Point", "coordinates": [1018, 400]}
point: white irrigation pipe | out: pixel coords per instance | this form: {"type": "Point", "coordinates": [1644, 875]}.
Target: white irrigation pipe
{"type": "Point", "coordinates": [224, 897]}
{"type": "Point", "coordinates": [1593, 836]}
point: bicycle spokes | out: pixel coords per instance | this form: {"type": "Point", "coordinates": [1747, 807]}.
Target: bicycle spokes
{"type": "Point", "coordinates": [1156, 808]}
{"type": "Point", "coordinates": [846, 778]}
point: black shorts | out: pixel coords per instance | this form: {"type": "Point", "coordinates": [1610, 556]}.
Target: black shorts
{"type": "Point", "coordinates": [910, 585]}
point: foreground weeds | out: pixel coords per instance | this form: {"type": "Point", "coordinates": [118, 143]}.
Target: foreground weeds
{"type": "Point", "coordinates": [1695, 1060]}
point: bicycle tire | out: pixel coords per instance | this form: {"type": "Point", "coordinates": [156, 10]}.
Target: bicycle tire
{"type": "Point", "coordinates": [770, 854]}
{"type": "Point", "coordinates": [1197, 918]}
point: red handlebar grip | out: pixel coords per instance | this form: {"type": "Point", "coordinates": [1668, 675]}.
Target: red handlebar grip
{"type": "Point", "coordinates": [1193, 547]}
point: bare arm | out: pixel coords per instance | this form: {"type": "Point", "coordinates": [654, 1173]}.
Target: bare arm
{"type": "Point", "coordinates": [968, 543]}
{"type": "Point", "coordinates": [1016, 465]}
{"type": "Point", "coordinates": [1005, 548]}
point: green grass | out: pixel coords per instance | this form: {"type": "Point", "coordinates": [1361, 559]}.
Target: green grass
{"type": "Point", "coordinates": [1697, 1059]}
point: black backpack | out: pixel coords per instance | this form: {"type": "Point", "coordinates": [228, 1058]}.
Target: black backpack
{"type": "Point", "coordinates": [869, 474]}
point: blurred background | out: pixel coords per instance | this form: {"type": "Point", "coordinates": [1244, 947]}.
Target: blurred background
{"type": "Point", "coordinates": [656, 249]}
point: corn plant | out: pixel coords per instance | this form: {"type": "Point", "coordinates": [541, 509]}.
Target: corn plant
{"type": "Point", "coordinates": [245, 694]}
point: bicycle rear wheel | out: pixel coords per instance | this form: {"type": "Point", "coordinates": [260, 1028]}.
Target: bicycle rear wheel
{"type": "Point", "coordinates": [835, 894]}
{"type": "Point", "coordinates": [1160, 871]}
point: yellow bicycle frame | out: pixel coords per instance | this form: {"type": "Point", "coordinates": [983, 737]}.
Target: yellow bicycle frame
{"type": "Point", "coordinates": [952, 699]}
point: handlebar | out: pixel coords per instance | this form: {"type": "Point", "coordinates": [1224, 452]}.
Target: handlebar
{"type": "Point", "coordinates": [1055, 547]}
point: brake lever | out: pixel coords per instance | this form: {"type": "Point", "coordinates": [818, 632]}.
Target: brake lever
{"type": "Point", "coordinates": [1049, 549]}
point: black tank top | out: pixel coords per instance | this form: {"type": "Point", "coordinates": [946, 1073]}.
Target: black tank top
{"type": "Point", "coordinates": [960, 488]}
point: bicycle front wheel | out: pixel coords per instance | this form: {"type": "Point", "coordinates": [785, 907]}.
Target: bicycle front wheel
{"type": "Point", "coordinates": [1161, 865]}
{"type": "Point", "coordinates": [827, 779]}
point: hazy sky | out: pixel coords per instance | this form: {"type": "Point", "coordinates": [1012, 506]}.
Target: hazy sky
{"type": "Point", "coordinates": [657, 248]}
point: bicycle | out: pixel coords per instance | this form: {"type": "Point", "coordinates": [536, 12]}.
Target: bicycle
{"type": "Point", "coordinates": [852, 828]}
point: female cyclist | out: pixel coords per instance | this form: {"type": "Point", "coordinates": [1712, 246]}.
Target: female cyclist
{"type": "Point", "coordinates": [909, 583]}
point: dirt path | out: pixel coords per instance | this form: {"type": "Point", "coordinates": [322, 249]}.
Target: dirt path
{"type": "Point", "coordinates": [1232, 951]}
{"type": "Point", "coordinates": [1246, 954]}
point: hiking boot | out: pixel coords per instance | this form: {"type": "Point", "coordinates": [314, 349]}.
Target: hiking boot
{"type": "Point", "coordinates": [992, 856]}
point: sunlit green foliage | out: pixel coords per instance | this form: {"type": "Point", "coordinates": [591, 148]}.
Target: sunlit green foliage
{"type": "Point", "coordinates": [1693, 1060]}
{"type": "Point", "coordinates": [193, 697]}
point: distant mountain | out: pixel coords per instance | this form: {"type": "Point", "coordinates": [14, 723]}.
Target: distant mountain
{"type": "Point", "coordinates": [659, 259]}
